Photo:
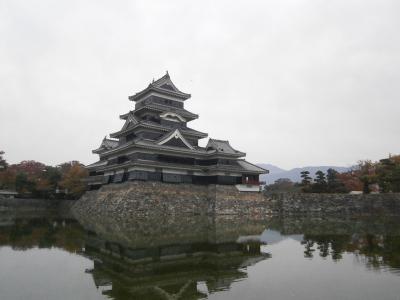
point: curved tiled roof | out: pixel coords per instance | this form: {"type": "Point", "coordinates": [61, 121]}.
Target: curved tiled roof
{"type": "Point", "coordinates": [163, 85]}
{"type": "Point", "coordinates": [105, 145]}
{"type": "Point", "coordinates": [157, 126]}
{"type": "Point", "coordinates": [221, 146]}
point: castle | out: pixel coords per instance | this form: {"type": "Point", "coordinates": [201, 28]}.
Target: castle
{"type": "Point", "coordinates": [156, 144]}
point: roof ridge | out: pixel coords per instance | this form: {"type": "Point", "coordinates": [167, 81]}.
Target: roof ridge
{"type": "Point", "coordinates": [156, 86]}
{"type": "Point", "coordinates": [165, 76]}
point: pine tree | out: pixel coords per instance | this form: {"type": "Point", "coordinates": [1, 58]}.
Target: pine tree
{"type": "Point", "coordinates": [320, 185]}
{"type": "Point", "coordinates": [306, 179]}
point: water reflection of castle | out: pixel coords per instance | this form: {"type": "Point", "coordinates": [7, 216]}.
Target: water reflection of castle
{"type": "Point", "coordinates": [189, 258]}
{"type": "Point", "coordinates": [195, 263]}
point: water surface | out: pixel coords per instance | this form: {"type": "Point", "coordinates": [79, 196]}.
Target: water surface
{"type": "Point", "coordinates": [54, 256]}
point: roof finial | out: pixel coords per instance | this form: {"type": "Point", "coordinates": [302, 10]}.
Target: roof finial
{"type": "Point", "coordinates": [153, 80]}
{"type": "Point", "coordinates": [167, 74]}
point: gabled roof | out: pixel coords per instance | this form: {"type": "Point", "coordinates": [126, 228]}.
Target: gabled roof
{"type": "Point", "coordinates": [221, 146]}
{"type": "Point", "coordinates": [105, 145]}
{"type": "Point", "coordinates": [165, 82]}
{"type": "Point", "coordinates": [176, 134]}
{"type": "Point", "coordinates": [130, 120]}
{"type": "Point", "coordinates": [163, 85]}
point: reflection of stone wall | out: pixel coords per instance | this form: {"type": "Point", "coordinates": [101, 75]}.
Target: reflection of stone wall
{"type": "Point", "coordinates": [141, 199]}
{"type": "Point", "coordinates": [335, 225]}
{"type": "Point", "coordinates": [336, 203]}
{"type": "Point", "coordinates": [33, 205]}
{"type": "Point", "coordinates": [160, 230]}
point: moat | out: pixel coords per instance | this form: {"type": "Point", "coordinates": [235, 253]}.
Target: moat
{"type": "Point", "coordinates": [53, 255]}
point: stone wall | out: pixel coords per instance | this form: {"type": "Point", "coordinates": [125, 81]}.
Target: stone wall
{"type": "Point", "coordinates": [227, 200]}
{"type": "Point", "coordinates": [347, 204]}
{"type": "Point", "coordinates": [143, 199]}
{"type": "Point", "coordinates": [138, 199]}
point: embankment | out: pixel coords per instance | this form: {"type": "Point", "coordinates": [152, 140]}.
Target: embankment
{"type": "Point", "coordinates": [143, 199]}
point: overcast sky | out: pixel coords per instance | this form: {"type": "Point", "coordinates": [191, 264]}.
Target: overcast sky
{"type": "Point", "coordinates": [292, 83]}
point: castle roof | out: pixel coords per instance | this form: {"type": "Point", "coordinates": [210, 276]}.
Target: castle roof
{"type": "Point", "coordinates": [164, 108]}
{"type": "Point", "coordinates": [251, 167]}
{"type": "Point", "coordinates": [105, 145]}
{"type": "Point", "coordinates": [157, 126]}
{"type": "Point", "coordinates": [221, 146]}
{"type": "Point", "coordinates": [163, 85]}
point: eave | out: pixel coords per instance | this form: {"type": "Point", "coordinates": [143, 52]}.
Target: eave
{"type": "Point", "coordinates": [165, 108]}
{"type": "Point", "coordinates": [143, 144]}
{"type": "Point", "coordinates": [148, 125]}
{"type": "Point", "coordinates": [152, 88]}
{"type": "Point", "coordinates": [197, 168]}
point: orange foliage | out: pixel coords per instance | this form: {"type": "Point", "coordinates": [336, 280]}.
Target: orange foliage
{"type": "Point", "coordinates": [351, 181]}
{"type": "Point", "coordinates": [43, 184]}
{"type": "Point", "coordinates": [7, 179]}
{"type": "Point", "coordinates": [72, 180]}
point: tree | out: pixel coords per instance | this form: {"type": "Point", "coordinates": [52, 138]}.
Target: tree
{"type": "Point", "coordinates": [388, 174]}
{"type": "Point", "coordinates": [7, 179]}
{"type": "Point", "coordinates": [350, 181]}
{"type": "Point", "coordinates": [331, 176]}
{"type": "Point", "coordinates": [320, 184]}
{"type": "Point", "coordinates": [281, 185]}
{"type": "Point", "coordinates": [23, 185]}
{"type": "Point", "coordinates": [306, 181]}
{"type": "Point", "coordinates": [320, 177]}
{"type": "Point", "coordinates": [47, 183]}
{"type": "Point", "coordinates": [65, 167]}
{"type": "Point", "coordinates": [72, 180]}
{"type": "Point", "coordinates": [33, 169]}
{"type": "Point", "coordinates": [367, 174]}
{"type": "Point", "coordinates": [334, 183]}
{"type": "Point", "coordinates": [3, 163]}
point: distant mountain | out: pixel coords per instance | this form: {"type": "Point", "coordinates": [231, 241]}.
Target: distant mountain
{"type": "Point", "coordinates": [272, 168]}
{"type": "Point", "coordinates": [294, 174]}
